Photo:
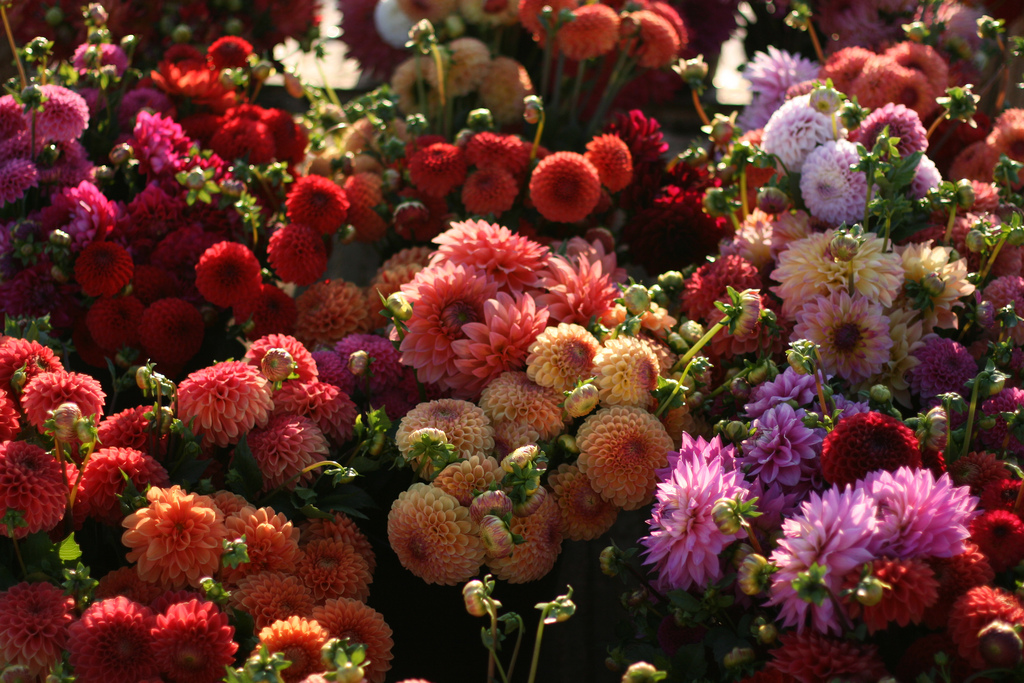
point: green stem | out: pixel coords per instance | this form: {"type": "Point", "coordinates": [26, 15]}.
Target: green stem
{"type": "Point", "coordinates": [17, 550]}
{"type": "Point", "coordinates": [970, 419]}
{"type": "Point", "coordinates": [557, 85]}
{"type": "Point", "coordinates": [545, 77]}
{"type": "Point", "coordinates": [618, 79]}
{"type": "Point", "coordinates": [935, 126]}
{"type": "Point", "coordinates": [743, 193]}
{"type": "Point", "coordinates": [992, 259]}
{"type": "Point", "coordinates": [949, 225]}
{"type": "Point", "coordinates": [14, 48]}
{"type": "Point", "coordinates": [888, 227]}
{"type": "Point", "coordinates": [536, 645]}
{"type": "Point", "coordinates": [577, 87]}
{"type": "Point", "coordinates": [870, 175]}
{"type": "Point", "coordinates": [331, 95]}
{"type": "Point", "coordinates": [519, 641]}
{"type": "Point", "coordinates": [703, 340]}
{"type": "Point", "coordinates": [536, 137]}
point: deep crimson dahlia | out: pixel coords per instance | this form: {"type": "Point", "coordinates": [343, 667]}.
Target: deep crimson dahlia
{"type": "Point", "coordinates": [319, 203]}
{"type": "Point", "coordinates": [103, 268]}
{"type": "Point", "coordinates": [31, 483]}
{"type": "Point", "coordinates": [956, 575]}
{"type": "Point", "coordinates": [171, 332]}
{"type": "Point", "coordinates": [34, 620]}
{"type": "Point", "coordinates": [104, 478]}
{"type": "Point", "coordinates": [975, 610]}
{"type": "Point", "coordinates": [866, 442]}
{"type": "Point", "coordinates": [114, 322]}
{"type": "Point", "coordinates": [271, 311]}
{"type": "Point", "coordinates": [193, 642]}
{"type": "Point", "coordinates": [112, 642]}
{"type": "Point", "coordinates": [810, 657]}
{"type": "Point", "coordinates": [1000, 535]}
{"type": "Point", "coordinates": [438, 168]}
{"type": "Point", "coordinates": [228, 273]}
{"type": "Point", "coordinates": [297, 254]}
{"type": "Point", "coordinates": [229, 52]}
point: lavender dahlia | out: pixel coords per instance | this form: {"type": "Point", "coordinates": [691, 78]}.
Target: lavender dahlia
{"type": "Point", "coordinates": [781, 447]}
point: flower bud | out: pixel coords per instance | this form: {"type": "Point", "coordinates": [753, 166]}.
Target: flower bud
{"type": "Point", "coordinates": [767, 634]}
{"type": "Point", "coordinates": [54, 16]}
{"type": "Point", "coordinates": [84, 431]}
{"type": "Point", "coordinates": [695, 69]}
{"type": "Point", "coordinates": [520, 457]}
{"type": "Point", "coordinates": [495, 503]}
{"type": "Point", "coordinates": [480, 120]}
{"type": "Point", "coordinates": [975, 241]}
{"type": "Point", "coordinates": [825, 100]}
{"type": "Point", "coordinates": [869, 592]}
{"type": "Point", "coordinates": [534, 107]}
{"type": "Point", "coordinates": [120, 154]}
{"type": "Point", "coordinates": [232, 188]}
{"type": "Point", "coordinates": [933, 284]}
{"type": "Point", "coordinates": [65, 417]}
{"type": "Point", "coordinates": [916, 31]}
{"type": "Point", "coordinates": [609, 561]}
{"type": "Point", "coordinates": [1000, 645]}
{"type": "Point", "coordinates": [879, 393]}
{"type": "Point", "coordinates": [474, 594]}
{"type": "Point", "coordinates": [735, 431]}
{"type": "Point", "coordinates": [965, 195]}
{"type": "Point", "coordinates": [725, 516]}
{"type": "Point", "coordinates": [752, 576]}
{"type": "Point", "coordinates": [59, 238]}
{"type": "Point", "coordinates": [277, 364]}
{"type": "Point", "coordinates": [844, 247]}
{"type": "Point", "coordinates": [739, 387]}
{"type": "Point", "coordinates": [293, 86]}
{"type": "Point", "coordinates": [931, 430]}
{"type": "Point", "coordinates": [496, 537]}
{"type": "Point", "coordinates": [671, 280]}
{"type": "Point", "coordinates": [800, 363]}
{"type": "Point", "coordinates": [182, 33]}
{"type": "Point", "coordinates": [358, 363]}
{"type": "Point", "coordinates": [640, 672]}
{"type": "Point", "coordinates": [263, 71]}
{"type": "Point", "coordinates": [737, 657]}
{"type": "Point", "coordinates": [691, 331]}
{"type": "Point", "coordinates": [567, 442]}
{"type": "Point", "coordinates": [143, 377]}
{"type": "Point", "coordinates": [749, 312]}
{"type": "Point", "coordinates": [772, 200]}
{"type": "Point", "coordinates": [531, 504]}
{"type": "Point", "coordinates": [636, 299]}
{"type": "Point", "coordinates": [582, 400]}
{"type": "Point", "coordinates": [195, 180]}
{"type": "Point", "coordinates": [399, 306]}
{"type": "Point", "coordinates": [993, 384]}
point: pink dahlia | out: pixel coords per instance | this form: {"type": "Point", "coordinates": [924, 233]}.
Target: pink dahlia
{"type": "Point", "coordinates": [305, 365]}
{"type": "Point", "coordinates": [902, 123]}
{"type": "Point", "coordinates": [852, 334]}
{"type": "Point", "coordinates": [945, 366]}
{"type": "Point", "coordinates": [64, 117]}
{"type": "Point", "coordinates": [17, 176]}
{"type": "Point", "coordinates": [225, 400]}
{"type": "Point", "coordinates": [831, 188]}
{"type": "Point", "coordinates": [444, 298]}
{"type": "Point", "coordinates": [499, 343]}
{"type": "Point", "coordinates": [794, 131]}
{"type": "Point", "coordinates": [575, 290]}
{"type": "Point", "coordinates": [771, 74]}
{"type": "Point", "coordinates": [112, 642]}
{"type": "Point", "coordinates": [513, 261]}
{"type": "Point", "coordinates": [685, 541]}
{"type": "Point", "coordinates": [782, 448]}
{"type": "Point", "coordinates": [285, 447]}
{"type": "Point", "coordinates": [34, 620]}
{"type": "Point", "coordinates": [48, 390]}
{"type": "Point", "coordinates": [325, 404]}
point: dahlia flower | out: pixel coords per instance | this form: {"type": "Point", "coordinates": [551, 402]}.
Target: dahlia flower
{"type": "Point", "coordinates": [794, 130]}
{"type": "Point", "coordinates": [512, 398]}
{"type": "Point", "coordinates": [344, 618]}
{"type": "Point", "coordinates": [533, 559]}
{"type": "Point", "coordinates": [225, 400]}
{"type": "Point", "coordinates": [831, 188]}
{"type": "Point", "coordinates": [561, 356]}
{"type": "Point", "coordinates": [852, 334]}
{"type": "Point", "coordinates": [113, 641]}
{"type": "Point", "coordinates": [509, 259]}
{"type": "Point", "coordinates": [780, 446]}
{"type": "Point", "coordinates": [770, 75]}
{"type": "Point", "coordinates": [34, 620]}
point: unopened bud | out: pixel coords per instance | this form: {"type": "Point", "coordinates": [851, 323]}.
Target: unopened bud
{"type": "Point", "coordinates": [521, 457]}
{"type": "Point", "coordinates": [65, 417]}
{"type": "Point", "coordinates": [695, 69]}
{"type": "Point", "coordinates": [636, 299]}
{"type": "Point", "coordinates": [54, 16]}
{"type": "Point", "coordinates": [232, 188]}
{"type": "Point", "coordinates": [293, 86]}
{"type": "Point", "coordinates": [534, 107]}
{"type": "Point", "coordinates": [844, 247]}
{"type": "Point", "coordinates": [567, 442]}
{"type": "Point", "coordinates": [722, 130]}
{"type": "Point", "coordinates": [59, 238]}
{"type": "Point", "coordinates": [772, 200]}
{"type": "Point", "coordinates": [582, 400]}
{"type": "Point", "coordinates": [671, 280]}
{"type": "Point", "coordinates": [474, 594]}
{"type": "Point", "coordinates": [263, 71]}
{"type": "Point", "coordinates": [358, 363]}
{"type": "Point", "coordinates": [767, 634]}
{"type": "Point", "coordinates": [195, 180]}
{"type": "Point", "coordinates": [739, 387]}
{"type": "Point", "coordinates": [737, 657]}
{"type": "Point", "coordinates": [495, 503]}
{"type": "Point", "coordinates": [869, 592]}
{"type": "Point", "coordinates": [691, 331]}
{"type": "Point", "coordinates": [277, 364]}
{"type": "Point", "coordinates": [933, 284]}
{"type": "Point", "coordinates": [609, 561]}
{"type": "Point", "coordinates": [1000, 645]}
{"type": "Point", "coordinates": [825, 100]}
{"type": "Point", "coordinates": [880, 393]}
{"type": "Point", "coordinates": [752, 576]}
{"type": "Point", "coordinates": [143, 377]}
{"type": "Point", "coordinates": [975, 241]}
{"type": "Point", "coordinates": [735, 431]}
{"type": "Point", "coordinates": [399, 306]}
{"type": "Point", "coordinates": [965, 195]}
{"type": "Point", "coordinates": [725, 517]}
{"type": "Point", "coordinates": [496, 537]}
{"type": "Point", "coordinates": [182, 33]}
{"type": "Point", "coordinates": [531, 504]}
{"type": "Point", "coordinates": [120, 154]}
{"type": "Point", "coordinates": [916, 31]}
{"type": "Point", "coordinates": [640, 672]}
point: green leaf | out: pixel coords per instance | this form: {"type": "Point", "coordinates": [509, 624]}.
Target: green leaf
{"type": "Point", "coordinates": [69, 550]}
{"type": "Point", "coordinates": [245, 476]}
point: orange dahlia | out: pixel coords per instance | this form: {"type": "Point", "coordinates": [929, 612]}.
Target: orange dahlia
{"type": "Point", "coordinates": [489, 191]}
{"type": "Point", "coordinates": [509, 436]}
{"type": "Point", "coordinates": [562, 356]}
{"type": "Point", "coordinates": [576, 289]}
{"type": "Point", "coordinates": [285, 447]}
{"type": "Point", "coordinates": [34, 620]}
{"type": "Point", "coordinates": [176, 539]}
{"type": "Point", "coordinates": [620, 449]}
{"type": "Point", "coordinates": [334, 569]}
{"type": "Point", "coordinates": [611, 157]}
{"type": "Point", "coordinates": [434, 536]}
{"type": "Point", "coordinates": [351, 619]}
{"type": "Point", "coordinates": [466, 478]}
{"type": "Point", "coordinates": [387, 281]}
{"type": "Point", "coordinates": [270, 539]}
{"type": "Point", "coordinates": [513, 397]}
{"type": "Point", "coordinates": [496, 150]}
{"type": "Point", "coordinates": [465, 425]}
{"type": "Point", "coordinates": [535, 557]}
{"type": "Point", "coordinates": [627, 372]}
{"type": "Point", "coordinates": [585, 514]}
{"type": "Point", "coordinates": [229, 503]}
{"type": "Point", "coordinates": [504, 88]}
{"type": "Point", "coordinates": [300, 641]}
{"type": "Point", "coordinates": [650, 38]}
{"type": "Point", "coordinates": [225, 400]}
{"type": "Point", "coordinates": [593, 32]}
{"type": "Point", "coordinates": [330, 311]}
{"type": "Point", "coordinates": [565, 187]}
{"type": "Point", "coordinates": [272, 596]}
{"type": "Point", "coordinates": [340, 528]}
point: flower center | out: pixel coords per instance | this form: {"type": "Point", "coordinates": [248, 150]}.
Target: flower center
{"type": "Point", "coordinates": [454, 316]}
{"type": "Point", "coordinates": [189, 657]}
{"type": "Point", "coordinates": [846, 337]}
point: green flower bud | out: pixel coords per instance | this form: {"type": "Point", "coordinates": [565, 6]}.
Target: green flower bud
{"type": "Point", "coordinates": [965, 195]}
{"type": "Point", "coordinates": [737, 657]}
{"type": "Point", "coordinates": [399, 306]}
{"type": "Point", "coordinates": [582, 400]}
{"type": "Point", "coordinates": [691, 331]}
{"type": "Point", "coordinates": [880, 393]}
{"type": "Point", "coordinates": [496, 537]}
{"type": "Point", "coordinates": [609, 560]}
{"type": "Point", "coordinates": [358, 363]}
{"type": "Point", "coordinates": [182, 33]}
{"type": "Point", "coordinates": [636, 299]}
{"type": "Point", "coordinates": [752, 576]}
{"type": "Point", "coordinates": [531, 504]}
{"type": "Point", "coordinates": [725, 516]}
{"type": "Point", "coordinates": [844, 247]}
{"type": "Point", "coordinates": [869, 591]}
{"type": "Point", "coordinates": [975, 241]}
{"type": "Point", "coordinates": [640, 672]}
{"type": "Point", "coordinates": [772, 199]}
{"type": "Point", "coordinates": [1000, 645]}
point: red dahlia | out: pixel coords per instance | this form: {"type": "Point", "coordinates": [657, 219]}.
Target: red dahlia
{"type": "Point", "coordinates": [112, 642]}
{"type": "Point", "coordinates": [866, 442]}
{"type": "Point", "coordinates": [709, 284]}
{"type": "Point", "coordinates": [978, 470]}
{"type": "Point", "coordinates": [956, 575]}
{"type": "Point", "coordinates": [565, 187]}
{"type": "Point", "coordinates": [151, 283]}
{"type": "Point", "coordinates": [1000, 495]}
{"type": "Point", "coordinates": [34, 620]}
{"type": "Point", "coordinates": [114, 322]}
{"type": "Point", "coordinates": [104, 479]}
{"type": "Point", "coordinates": [103, 269]}
{"type": "Point", "coordinates": [244, 138]}
{"type": "Point", "coordinates": [171, 332]}
{"type": "Point", "coordinates": [612, 159]}
{"type": "Point", "coordinates": [228, 273]}
{"type": "Point", "coordinates": [229, 52]}
{"type": "Point", "coordinates": [48, 390]}
{"type": "Point", "coordinates": [1000, 535]}
{"type": "Point", "coordinates": [193, 642]}
{"type": "Point", "coordinates": [297, 254]}
{"type": "Point", "coordinates": [30, 483]}
{"type": "Point", "coordinates": [810, 657]}
{"type": "Point", "coordinates": [319, 203]}
{"type": "Point", "coordinates": [272, 311]}
{"type": "Point", "coordinates": [975, 610]}
{"type": "Point", "coordinates": [10, 420]}
{"type": "Point", "coordinates": [494, 150]}
{"type": "Point", "coordinates": [438, 168]}
{"type": "Point", "coordinates": [489, 191]}
{"type": "Point", "coordinates": [913, 588]}
{"type": "Point", "coordinates": [29, 356]}
{"type": "Point", "coordinates": [126, 429]}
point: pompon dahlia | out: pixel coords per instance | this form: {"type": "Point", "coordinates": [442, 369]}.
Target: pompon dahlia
{"type": "Point", "coordinates": [17, 176]}
{"type": "Point", "coordinates": [852, 334]}
{"type": "Point", "coordinates": [171, 332]}
{"type": "Point", "coordinates": [228, 273]}
{"type": "Point", "coordinates": [331, 310]}
{"type": "Point", "coordinates": [319, 203]}
{"type": "Point", "coordinates": [620, 449]}
{"type": "Point", "coordinates": [565, 187]}
{"type": "Point", "coordinates": [512, 397]}
{"type": "Point", "coordinates": [945, 366]}
{"type": "Point", "coordinates": [511, 260]}
{"type": "Point", "coordinates": [305, 368]}
{"type": "Point", "coordinates": [344, 618]}
{"type": "Point", "coordinates": [114, 322]}
{"type": "Point", "coordinates": [794, 131]}
{"type": "Point", "coordinates": [709, 284]}
{"type": "Point", "coordinates": [34, 620]}
{"type": "Point", "coordinates": [226, 400]}
{"type": "Point", "coordinates": [489, 191]}
{"type": "Point", "coordinates": [576, 289]}
{"type": "Point", "coordinates": [176, 539]}
{"type": "Point", "coordinates": [1000, 535]}
{"type": "Point", "coordinates": [229, 52]}
{"type": "Point", "coordinates": [112, 642]}
{"type": "Point", "coordinates": [834, 530]}
{"type": "Point", "coordinates": [626, 371]}
{"type": "Point", "coordinates": [902, 123]}
{"type": "Point", "coordinates": [31, 357]}
{"type": "Point", "coordinates": [919, 515]}
{"type": "Point", "coordinates": [340, 528]}
{"type": "Point", "coordinates": [611, 157]}
{"type": "Point", "coordinates": [438, 168]}
{"type": "Point", "coordinates": [385, 369]}
{"type": "Point", "coordinates": [193, 642]}
{"type": "Point", "coordinates": [650, 38]}
{"type": "Point", "coordinates": [495, 150]}
{"type": "Point", "coordinates": [585, 515]}
{"type": "Point", "coordinates": [466, 478]}
{"type": "Point", "coordinates": [831, 188]}
{"type": "Point", "coordinates": [684, 540]}
{"type": "Point", "coordinates": [956, 575]}
{"type": "Point", "coordinates": [47, 390]}
{"type": "Point", "coordinates": [325, 404]}
{"type": "Point", "coordinates": [498, 343]}
{"type": "Point", "coordinates": [465, 425]}
{"type": "Point", "coordinates": [10, 422]}
{"type": "Point", "coordinates": [1000, 495]}
{"type": "Point", "coordinates": [433, 536]}
{"type": "Point", "coordinates": [297, 254]}
{"type": "Point", "coordinates": [866, 442]}
{"type": "Point", "coordinates": [812, 658]}
{"type": "Point", "coordinates": [104, 479]}
{"type": "Point", "coordinates": [125, 582]}
{"type": "Point", "coordinates": [272, 542]}
{"type": "Point", "coordinates": [561, 356]}
{"type": "Point", "coordinates": [771, 74]}
{"type": "Point", "coordinates": [330, 368]}
{"type": "Point", "coordinates": [272, 310]}
{"type": "Point", "coordinates": [332, 568]}
{"type": "Point", "coordinates": [31, 483]}
{"type": "Point", "coordinates": [912, 589]}
{"type": "Point", "coordinates": [229, 503]}
{"type": "Point", "coordinates": [1009, 400]}
{"type": "Point", "coordinates": [300, 641]}
{"type": "Point", "coordinates": [509, 436]}
{"type": "Point", "coordinates": [271, 596]}
{"type": "Point", "coordinates": [103, 268]}
{"type": "Point", "coordinates": [977, 470]}
{"type": "Point", "coordinates": [64, 116]}
{"type": "Point", "coordinates": [444, 298]}
{"type": "Point", "coordinates": [533, 559]}
{"type": "Point", "coordinates": [976, 609]}
{"type": "Point", "coordinates": [594, 31]}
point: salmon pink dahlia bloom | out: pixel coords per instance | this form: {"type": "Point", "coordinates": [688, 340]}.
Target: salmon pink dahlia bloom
{"type": "Point", "coordinates": [576, 289]}
{"type": "Point", "coordinates": [620, 450]}
{"type": "Point", "coordinates": [104, 479]}
{"type": "Point", "coordinates": [352, 619]}
{"type": "Point", "coordinates": [193, 641]}
{"type": "Point", "coordinates": [330, 311]}
{"type": "Point", "coordinates": [225, 400]}
{"type": "Point", "coordinates": [490, 191]}
{"type": "Point", "coordinates": [272, 542]}
{"type": "Point", "coordinates": [434, 536]}
{"type": "Point", "coordinates": [534, 558]}
{"type": "Point", "coordinates": [585, 514]}
{"type": "Point", "coordinates": [325, 404]}
{"type": "Point", "coordinates": [176, 539]}
{"type": "Point", "coordinates": [812, 657]}
{"type": "Point", "coordinates": [34, 620]}
{"type": "Point", "coordinates": [466, 478]}
{"type": "Point", "coordinates": [31, 483]}
{"type": "Point", "coordinates": [270, 596]}
{"type": "Point", "coordinates": [332, 568]}
{"type": "Point", "coordinates": [341, 528]}
{"type": "Point", "coordinates": [513, 398]}
{"type": "Point", "coordinates": [561, 356]}
{"type": "Point", "coordinates": [913, 589]}
{"type": "Point", "coordinates": [627, 372]}
{"type": "Point", "coordinates": [286, 446]}
{"type": "Point", "coordinates": [565, 187]}
{"type": "Point", "coordinates": [465, 425]}
{"type": "Point", "coordinates": [47, 390]}
{"type": "Point", "coordinates": [305, 366]}
{"type": "Point", "coordinates": [611, 157]}
{"type": "Point", "coordinates": [113, 642]}
{"type": "Point", "coordinates": [509, 259]}
{"type": "Point", "coordinates": [10, 421]}
{"type": "Point", "coordinates": [300, 641]}
{"type": "Point", "coordinates": [593, 32]}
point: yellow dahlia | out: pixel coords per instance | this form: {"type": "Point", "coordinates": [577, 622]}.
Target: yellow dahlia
{"type": "Point", "coordinates": [434, 536]}
{"type": "Point", "coordinates": [475, 474]}
{"type": "Point", "coordinates": [627, 372]}
{"type": "Point", "coordinates": [404, 83]}
{"type": "Point", "coordinates": [176, 539]}
{"type": "Point", "coordinates": [535, 557]}
{"type": "Point", "coordinates": [562, 356]}
{"type": "Point", "coordinates": [467, 427]}
{"type": "Point", "coordinates": [620, 449]}
{"type": "Point", "coordinates": [512, 397]}
{"type": "Point", "coordinates": [270, 539]}
{"type": "Point", "coordinates": [272, 596]}
{"type": "Point", "coordinates": [300, 641]}
{"type": "Point", "coordinates": [921, 260]}
{"type": "Point", "coordinates": [358, 623]}
{"type": "Point", "coordinates": [585, 514]}
{"type": "Point", "coordinates": [907, 333]}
